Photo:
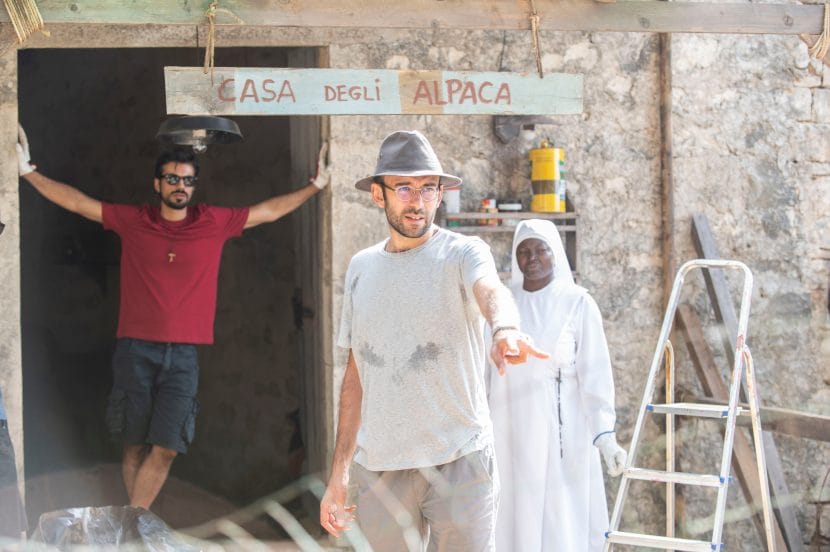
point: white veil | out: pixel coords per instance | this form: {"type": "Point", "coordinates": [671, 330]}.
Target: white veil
{"type": "Point", "coordinates": [546, 231]}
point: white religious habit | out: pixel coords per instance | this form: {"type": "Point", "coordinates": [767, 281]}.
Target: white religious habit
{"type": "Point", "coordinates": [548, 413]}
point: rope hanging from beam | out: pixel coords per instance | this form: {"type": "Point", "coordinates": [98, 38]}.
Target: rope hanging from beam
{"type": "Point", "coordinates": [210, 14]}
{"type": "Point", "coordinates": [25, 18]}
{"type": "Point", "coordinates": [534, 35]}
{"type": "Point", "coordinates": [821, 46]}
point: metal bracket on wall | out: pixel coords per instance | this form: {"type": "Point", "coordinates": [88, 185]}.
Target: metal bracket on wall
{"type": "Point", "coordinates": [507, 127]}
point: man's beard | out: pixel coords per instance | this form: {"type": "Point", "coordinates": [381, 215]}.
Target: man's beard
{"type": "Point", "coordinates": [172, 204]}
{"type": "Point", "coordinates": [398, 222]}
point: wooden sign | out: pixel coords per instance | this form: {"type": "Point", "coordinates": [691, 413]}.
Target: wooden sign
{"type": "Point", "coordinates": [265, 91]}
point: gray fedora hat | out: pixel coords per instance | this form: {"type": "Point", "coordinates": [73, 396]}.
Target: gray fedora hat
{"type": "Point", "coordinates": [407, 153]}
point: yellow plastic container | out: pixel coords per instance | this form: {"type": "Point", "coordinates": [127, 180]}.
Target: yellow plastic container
{"type": "Point", "coordinates": [547, 164]}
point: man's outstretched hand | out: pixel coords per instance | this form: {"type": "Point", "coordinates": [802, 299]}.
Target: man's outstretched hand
{"type": "Point", "coordinates": [24, 163]}
{"type": "Point", "coordinates": [510, 346]}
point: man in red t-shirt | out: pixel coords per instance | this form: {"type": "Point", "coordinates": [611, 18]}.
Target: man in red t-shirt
{"type": "Point", "coordinates": [170, 258]}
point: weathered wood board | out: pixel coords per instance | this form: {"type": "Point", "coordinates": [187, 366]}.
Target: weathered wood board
{"type": "Point", "coordinates": [282, 91]}
{"type": "Point", "coordinates": [555, 15]}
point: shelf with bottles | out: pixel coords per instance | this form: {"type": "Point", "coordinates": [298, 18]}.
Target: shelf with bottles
{"type": "Point", "coordinates": [506, 221]}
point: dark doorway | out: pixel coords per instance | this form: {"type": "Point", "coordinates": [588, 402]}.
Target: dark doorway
{"type": "Point", "coordinates": [91, 117]}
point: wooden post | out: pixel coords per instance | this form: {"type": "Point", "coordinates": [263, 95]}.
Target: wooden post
{"type": "Point", "coordinates": [674, 499]}
{"type": "Point", "coordinates": [666, 174]}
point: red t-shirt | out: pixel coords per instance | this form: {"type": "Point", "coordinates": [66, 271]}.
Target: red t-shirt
{"type": "Point", "coordinates": [170, 270]}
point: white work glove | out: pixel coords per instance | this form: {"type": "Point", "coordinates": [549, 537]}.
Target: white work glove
{"type": "Point", "coordinates": [613, 454]}
{"type": "Point", "coordinates": [24, 165]}
{"type": "Point", "coordinates": [323, 176]}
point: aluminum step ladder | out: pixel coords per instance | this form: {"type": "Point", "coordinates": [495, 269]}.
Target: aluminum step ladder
{"type": "Point", "coordinates": [728, 412]}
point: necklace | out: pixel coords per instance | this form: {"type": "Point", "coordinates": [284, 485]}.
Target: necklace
{"type": "Point", "coordinates": [170, 229]}
{"type": "Point", "coordinates": [170, 232]}
{"type": "Point", "coordinates": [171, 242]}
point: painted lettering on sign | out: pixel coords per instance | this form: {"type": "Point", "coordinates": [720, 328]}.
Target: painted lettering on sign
{"type": "Point", "coordinates": [344, 92]}
{"type": "Point", "coordinates": [458, 92]}
{"type": "Point", "coordinates": [285, 91]}
{"type": "Point", "coordinates": [255, 91]}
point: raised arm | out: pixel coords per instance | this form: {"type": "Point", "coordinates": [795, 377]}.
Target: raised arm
{"type": "Point", "coordinates": [279, 206]}
{"type": "Point", "coordinates": [66, 196]}
{"type": "Point", "coordinates": [59, 193]}
{"type": "Point", "coordinates": [496, 303]}
{"type": "Point", "coordinates": [335, 515]}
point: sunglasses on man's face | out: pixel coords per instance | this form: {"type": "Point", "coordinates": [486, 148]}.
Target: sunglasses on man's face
{"type": "Point", "coordinates": [173, 179]}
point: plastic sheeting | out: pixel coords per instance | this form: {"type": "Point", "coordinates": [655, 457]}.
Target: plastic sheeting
{"type": "Point", "coordinates": [108, 527]}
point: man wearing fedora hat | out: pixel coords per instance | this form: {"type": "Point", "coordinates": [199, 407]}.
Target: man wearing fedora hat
{"type": "Point", "coordinates": [413, 408]}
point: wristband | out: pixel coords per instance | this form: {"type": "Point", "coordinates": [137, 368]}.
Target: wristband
{"type": "Point", "coordinates": [497, 329]}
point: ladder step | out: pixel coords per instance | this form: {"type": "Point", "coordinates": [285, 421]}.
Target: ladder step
{"type": "Point", "coordinates": [695, 409]}
{"type": "Point", "coordinates": [684, 478]}
{"type": "Point", "coordinates": [656, 541]}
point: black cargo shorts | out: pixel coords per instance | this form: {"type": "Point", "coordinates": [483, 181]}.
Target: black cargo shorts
{"type": "Point", "coordinates": [153, 399]}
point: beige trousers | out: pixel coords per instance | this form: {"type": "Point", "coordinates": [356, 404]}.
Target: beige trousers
{"type": "Point", "coordinates": [441, 508]}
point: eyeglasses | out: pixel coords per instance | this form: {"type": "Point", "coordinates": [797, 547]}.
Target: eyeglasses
{"type": "Point", "coordinates": [173, 179]}
{"type": "Point", "coordinates": [408, 193]}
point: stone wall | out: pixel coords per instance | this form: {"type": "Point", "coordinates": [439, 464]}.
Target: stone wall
{"type": "Point", "coordinates": [751, 151]}
{"type": "Point", "coordinates": [751, 147]}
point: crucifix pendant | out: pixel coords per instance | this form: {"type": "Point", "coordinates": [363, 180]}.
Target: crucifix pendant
{"type": "Point", "coordinates": [171, 257]}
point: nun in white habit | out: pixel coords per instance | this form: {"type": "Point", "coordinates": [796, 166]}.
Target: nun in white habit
{"type": "Point", "coordinates": [552, 418]}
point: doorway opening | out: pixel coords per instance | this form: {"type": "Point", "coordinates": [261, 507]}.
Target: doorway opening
{"type": "Point", "coordinates": [91, 116]}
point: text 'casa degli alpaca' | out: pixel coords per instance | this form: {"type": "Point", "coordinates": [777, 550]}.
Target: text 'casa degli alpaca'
{"type": "Point", "coordinates": [263, 91]}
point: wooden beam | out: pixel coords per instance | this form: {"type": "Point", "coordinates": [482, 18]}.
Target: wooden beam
{"type": "Point", "coordinates": [743, 459]}
{"type": "Point", "coordinates": [675, 501]}
{"type": "Point", "coordinates": [555, 15]}
{"type": "Point", "coordinates": [666, 174]}
{"type": "Point", "coordinates": [721, 300]}
{"type": "Point", "coordinates": [780, 420]}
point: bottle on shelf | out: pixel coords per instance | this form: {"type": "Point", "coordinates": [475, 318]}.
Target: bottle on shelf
{"type": "Point", "coordinates": [488, 205]}
{"type": "Point", "coordinates": [510, 206]}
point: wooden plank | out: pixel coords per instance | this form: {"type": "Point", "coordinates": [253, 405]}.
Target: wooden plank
{"type": "Point", "coordinates": [780, 420]}
{"type": "Point", "coordinates": [706, 248]}
{"type": "Point", "coordinates": [721, 300]}
{"type": "Point", "coordinates": [555, 15]}
{"type": "Point", "coordinates": [669, 264]}
{"type": "Point", "coordinates": [285, 91]}
{"type": "Point", "coordinates": [556, 217]}
{"type": "Point", "coordinates": [666, 174]}
{"type": "Point", "coordinates": [743, 459]}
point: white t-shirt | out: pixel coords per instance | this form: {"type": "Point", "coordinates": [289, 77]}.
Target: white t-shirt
{"type": "Point", "coordinates": [415, 330]}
